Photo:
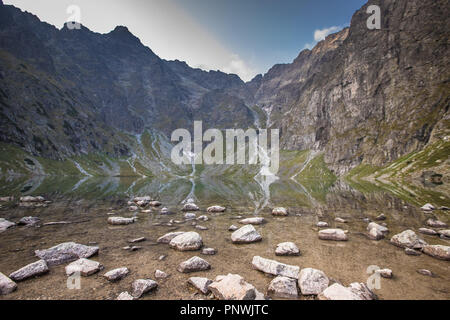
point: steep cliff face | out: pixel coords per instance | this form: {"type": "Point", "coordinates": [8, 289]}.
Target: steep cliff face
{"type": "Point", "coordinates": [69, 92]}
{"type": "Point", "coordinates": [366, 96]}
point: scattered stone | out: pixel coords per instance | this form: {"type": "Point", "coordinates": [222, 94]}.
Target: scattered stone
{"type": "Point", "coordinates": [333, 234]}
{"type": "Point", "coordinates": [381, 217]}
{"type": "Point", "coordinates": [280, 211]}
{"type": "Point", "coordinates": [425, 272]}
{"type": "Point", "coordinates": [142, 286]}
{"type": "Point", "coordinates": [340, 220]}
{"type": "Point", "coordinates": [233, 228]}
{"type": "Point", "coordinates": [188, 241]}
{"type": "Point", "coordinates": [232, 287]}
{"type": "Point", "coordinates": [427, 231]}
{"type": "Point", "coordinates": [194, 264]}
{"type": "Point", "coordinates": [209, 251]}
{"type": "Point", "coordinates": [140, 204]}
{"type": "Point", "coordinates": [408, 239]}
{"type": "Point", "coordinates": [32, 199]}
{"type": "Point", "coordinates": [275, 268]}
{"type": "Point", "coordinates": [6, 199]}
{"type": "Point", "coordinates": [66, 252]}
{"type": "Point", "coordinates": [385, 273]}
{"type": "Point", "coordinates": [117, 274]}
{"type": "Point", "coordinates": [120, 221]}
{"type": "Point", "coordinates": [190, 207]}
{"type": "Point", "coordinates": [7, 286]}
{"type": "Point", "coordinates": [190, 216]}
{"type": "Point", "coordinates": [287, 249]}
{"type": "Point", "coordinates": [356, 291]}
{"type": "Point", "coordinates": [168, 237]}
{"type": "Point", "coordinates": [32, 270]}
{"type": "Point", "coordinates": [312, 281]}
{"type": "Point", "coordinates": [254, 221]}
{"type": "Point", "coordinates": [428, 207]}
{"type": "Point", "coordinates": [133, 208]}
{"type": "Point", "coordinates": [246, 234]}
{"type": "Point", "coordinates": [155, 204]}
{"type": "Point", "coordinates": [283, 287]}
{"type": "Point", "coordinates": [380, 228]}
{"type": "Point", "coordinates": [436, 223]}
{"type": "Point", "coordinates": [444, 233]}
{"type": "Point", "coordinates": [29, 221]}
{"type": "Point", "coordinates": [161, 274]}
{"type": "Point", "coordinates": [437, 251]}
{"type": "Point", "coordinates": [202, 228]}
{"type": "Point", "coordinates": [56, 223]}
{"type": "Point", "coordinates": [142, 239]}
{"type": "Point", "coordinates": [125, 296]}
{"type": "Point", "coordinates": [375, 234]}
{"type": "Point", "coordinates": [440, 208]}
{"type": "Point", "coordinates": [216, 209]}
{"type": "Point", "coordinates": [139, 199]}
{"type": "Point", "coordinates": [5, 224]}
{"type": "Point", "coordinates": [203, 218]}
{"type": "Point", "coordinates": [202, 284]}
{"type": "Point", "coordinates": [147, 211]}
{"type": "Point", "coordinates": [322, 224]}
{"type": "Point", "coordinates": [84, 266]}
{"type": "Point", "coordinates": [412, 252]}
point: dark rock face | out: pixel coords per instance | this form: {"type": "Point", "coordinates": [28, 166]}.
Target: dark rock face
{"type": "Point", "coordinates": [361, 96]}
{"type": "Point", "coordinates": [366, 95]}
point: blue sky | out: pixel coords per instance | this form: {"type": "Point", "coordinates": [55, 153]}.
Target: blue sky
{"type": "Point", "coordinates": [245, 37]}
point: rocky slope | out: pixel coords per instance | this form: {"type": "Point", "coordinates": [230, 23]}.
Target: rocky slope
{"type": "Point", "coordinates": [106, 103]}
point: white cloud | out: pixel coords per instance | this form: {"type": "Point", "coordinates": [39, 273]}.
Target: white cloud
{"type": "Point", "coordinates": [321, 34]}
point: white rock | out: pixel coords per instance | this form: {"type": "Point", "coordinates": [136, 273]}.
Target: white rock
{"type": "Point", "coordinates": [29, 221]}
{"type": "Point", "coordinates": [280, 211]}
{"type": "Point", "coordinates": [246, 234]}
{"type": "Point", "coordinates": [254, 221]}
{"type": "Point", "coordinates": [125, 296]}
{"type": "Point", "coordinates": [190, 216]}
{"type": "Point", "coordinates": [32, 199]}
{"type": "Point", "coordinates": [428, 207]}
{"type": "Point", "coordinates": [168, 237]}
{"type": "Point", "coordinates": [155, 204]}
{"type": "Point", "coordinates": [5, 224]}
{"type": "Point", "coordinates": [275, 268]}
{"type": "Point", "coordinates": [425, 272]}
{"type": "Point", "coordinates": [322, 224]}
{"type": "Point", "coordinates": [188, 241]}
{"type": "Point", "coordinates": [142, 286]}
{"type": "Point", "coordinates": [436, 223]}
{"type": "Point", "coordinates": [437, 251]}
{"type": "Point", "coordinates": [32, 270]}
{"type": "Point", "coordinates": [161, 274]}
{"type": "Point", "coordinates": [191, 207]}
{"type": "Point", "coordinates": [117, 274]}
{"type": "Point", "coordinates": [427, 231]}
{"type": "Point", "coordinates": [209, 251]}
{"type": "Point", "coordinates": [333, 234]}
{"type": "Point", "coordinates": [412, 252]}
{"type": "Point", "coordinates": [445, 233]}
{"type": "Point", "coordinates": [203, 218]}
{"type": "Point", "coordinates": [146, 199]}
{"type": "Point", "coordinates": [216, 209]}
{"type": "Point", "coordinates": [84, 266]}
{"type": "Point", "coordinates": [408, 239]}
{"type": "Point", "coordinates": [385, 273]}
{"type": "Point", "coordinates": [202, 284]}
{"type": "Point", "coordinates": [6, 199]}
{"type": "Point", "coordinates": [194, 264]}
{"type": "Point", "coordinates": [233, 228]}
{"type": "Point", "coordinates": [283, 287]}
{"type": "Point", "coordinates": [66, 252]}
{"type": "Point", "coordinates": [356, 291]}
{"type": "Point", "coordinates": [312, 281]}
{"type": "Point", "coordinates": [376, 234]}
{"type": "Point", "coordinates": [380, 228]}
{"type": "Point", "coordinates": [232, 287]}
{"type": "Point", "coordinates": [340, 220]}
{"type": "Point", "coordinates": [7, 286]}
{"type": "Point", "coordinates": [287, 249]}
{"type": "Point", "coordinates": [120, 221]}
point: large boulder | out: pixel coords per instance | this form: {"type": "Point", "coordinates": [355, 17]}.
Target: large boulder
{"type": "Point", "coordinates": [333, 234]}
{"type": "Point", "coordinates": [168, 237]}
{"type": "Point", "coordinates": [120, 221]}
{"type": "Point", "coordinates": [201, 284]}
{"type": "Point", "coordinates": [232, 287]}
{"type": "Point", "coordinates": [142, 286]}
{"type": "Point", "coordinates": [66, 252]}
{"type": "Point", "coordinates": [275, 268]}
{"type": "Point", "coordinates": [408, 239]}
{"type": "Point", "coordinates": [356, 291]}
{"type": "Point", "coordinates": [194, 264]}
{"type": "Point", "coordinates": [437, 251]}
{"type": "Point", "coordinates": [188, 241]}
{"type": "Point", "coordinates": [246, 234]}
{"type": "Point", "coordinates": [84, 267]}
{"type": "Point", "coordinates": [283, 287]}
{"type": "Point", "coordinates": [312, 281]}
{"type": "Point", "coordinates": [287, 249]}
{"type": "Point", "coordinates": [7, 286]}
{"type": "Point", "coordinates": [5, 224]}
{"type": "Point", "coordinates": [32, 270]}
